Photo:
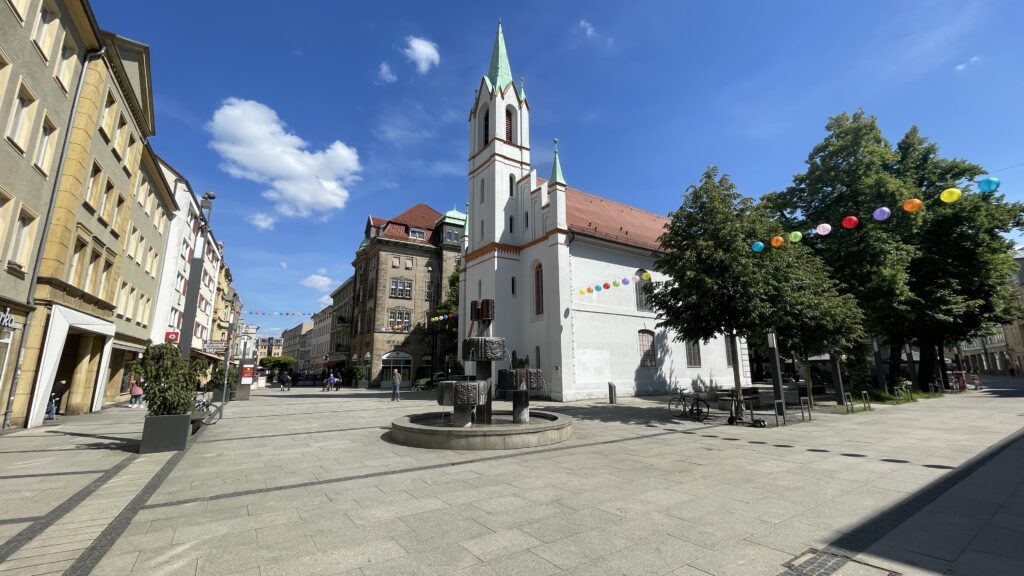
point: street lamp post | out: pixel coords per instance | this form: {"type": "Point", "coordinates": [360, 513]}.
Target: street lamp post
{"type": "Point", "coordinates": [195, 275]}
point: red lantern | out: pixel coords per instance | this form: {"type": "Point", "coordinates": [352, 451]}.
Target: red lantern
{"type": "Point", "coordinates": [850, 222]}
{"type": "Point", "coordinates": [607, 285]}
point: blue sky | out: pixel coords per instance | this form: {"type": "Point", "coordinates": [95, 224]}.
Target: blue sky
{"type": "Point", "coordinates": [288, 116]}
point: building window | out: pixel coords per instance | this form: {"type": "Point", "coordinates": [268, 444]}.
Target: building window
{"type": "Point", "coordinates": [117, 212]}
{"type": "Point", "coordinates": [481, 230]}
{"type": "Point", "coordinates": [66, 68]}
{"type": "Point", "coordinates": [76, 264]}
{"type": "Point", "coordinates": [396, 261]}
{"type": "Point", "coordinates": [511, 224]}
{"type": "Point", "coordinates": [119, 137]}
{"type": "Point", "coordinates": [23, 239]}
{"type": "Point", "coordinates": [46, 30]}
{"type": "Point", "coordinates": [409, 262]}
{"type": "Point", "coordinates": [645, 339]}
{"type": "Point", "coordinates": [508, 125]}
{"type": "Point", "coordinates": [401, 288]}
{"type": "Point", "coordinates": [107, 120]}
{"type": "Point", "coordinates": [430, 291]}
{"type": "Point", "coordinates": [513, 286]}
{"type": "Point", "coordinates": [94, 186]}
{"type": "Point", "coordinates": [45, 146]}
{"type": "Point", "coordinates": [90, 273]}
{"type": "Point", "coordinates": [640, 288]}
{"type": "Point", "coordinates": [487, 127]}
{"type": "Point", "coordinates": [526, 220]}
{"type": "Point", "coordinates": [107, 200]}
{"type": "Point", "coordinates": [482, 191]}
{"type": "Point", "coordinates": [19, 7]}
{"type": "Point", "coordinates": [399, 319]}
{"type": "Point", "coordinates": [451, 235]}
{"type": "Point", "coordinates": [101, 289]}
{"type": "Point", "coordinates": [511, 186]}
{"type": "Point", "coordinates": [22, 118]}
{"type": "Point", "coordinates": [693, 353]}
{"type": "Point", "coordinates": [417, 234]}
{"type": "Point", "coordinates": [538, 290]}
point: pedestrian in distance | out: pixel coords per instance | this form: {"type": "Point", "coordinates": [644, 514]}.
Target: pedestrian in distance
{"type": "Point", "coordinates": [396, 383]}
{"type": "Point", "coordinates": [55, 395]}
{"type": "Point", "coordinates": [136, 391]}
{"type": "Point", "coordinates": [286, 381]}
{"type": "Point", "coordinates": [335, 384]}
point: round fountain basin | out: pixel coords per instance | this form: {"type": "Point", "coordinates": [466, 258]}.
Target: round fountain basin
{"type": "Point", "coordinates": [428, 431]}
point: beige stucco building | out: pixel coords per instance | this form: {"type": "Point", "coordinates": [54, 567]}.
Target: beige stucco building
{"type": "Point", "coordinates": [101, 256]}
{"type": "Point", "coordinates": [43, 48]}
{"type": "Point", "coordinates": [341, 327]}
{"type": "Point", "coordinates": [293, 341]}
{"type": "Point", "coordinates": [401, 271]}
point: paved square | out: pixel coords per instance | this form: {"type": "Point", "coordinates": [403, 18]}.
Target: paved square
{"type": "Point", "coordinates": [308, 482]}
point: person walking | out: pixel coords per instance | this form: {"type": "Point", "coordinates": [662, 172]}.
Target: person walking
{"type": "Point", "coordinates": [55, 395]}
{"type": "Point", "coordinates": [136, 391]}
{"type": "Point", "coordinates": [286, 381]}
{"type": "Point", "coordinates": [396, 383]}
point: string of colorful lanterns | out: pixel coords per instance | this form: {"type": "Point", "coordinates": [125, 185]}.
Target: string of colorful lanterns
{"type": "Point", "coordinates": [881, 214]}
{"type": "Point", "coordinates": [445, 317]}
{"type": "Point", "coordinates": [397, 327]}
{"type": "Point", "coordinates": [253, 313]}
{"type": "Point", "coordinates": [601, 286]}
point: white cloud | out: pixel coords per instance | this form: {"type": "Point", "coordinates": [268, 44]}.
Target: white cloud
{"type": "Point", "coordinates": [385, 75]}
{"type": "Point", "coordinates": [255, 145]}
{"type": "Point", "coordinates": [325, 300]}
{"type": "Point", "coordinates": [262, 221]}
{"type": "Point", "coordinates": [318, 282]}
{"type": "Point", "coordinates": [423, 53]}
{"type": "Point", "coordinates": [322, 271]}
{"type": "Point", "coordinates": [963, 65]}
{"type": "Point", "coordinates": [590, 32]}
{"type": "Point", "coordinates": [284, 264]}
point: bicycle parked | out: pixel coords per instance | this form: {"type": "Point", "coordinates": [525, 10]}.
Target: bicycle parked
{"type": "Point", "coordinates": [690, 406]}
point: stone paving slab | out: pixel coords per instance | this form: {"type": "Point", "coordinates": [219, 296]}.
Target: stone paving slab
{"type": "Point", "coordinates": [310, 484]}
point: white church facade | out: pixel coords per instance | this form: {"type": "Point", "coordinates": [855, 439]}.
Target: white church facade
{"type": "Point", "coordinates": [544, 252]}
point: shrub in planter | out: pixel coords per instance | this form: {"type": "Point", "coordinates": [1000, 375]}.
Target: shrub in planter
{"type": "Point", "coordinates": [169, 384]}
{"type": "Point", "coordinates": [216, 382]}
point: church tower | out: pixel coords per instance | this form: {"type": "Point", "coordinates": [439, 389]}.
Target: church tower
{"type": "Point", "coordinates": [499, 154]}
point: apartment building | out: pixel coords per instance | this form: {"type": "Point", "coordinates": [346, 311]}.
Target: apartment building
{"type": "Point", "coordinates": [320, 342]}
{"type": "Point", "coordinates": [341, 329]}
{"type": "Point", "coordinates": [269, 347]}
{"type": "Point", "coordinates": [401, 271]}
{"type": "Point", "coordinates": [98, 269]}
{"type": "Point", "coordinates": [293, 341]}
{"type": "Point", "coordinates": [43, 51]}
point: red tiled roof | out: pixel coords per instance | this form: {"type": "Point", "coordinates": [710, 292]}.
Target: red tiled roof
{"type": "Point", "coordinates": [595, 216]}
{"type": "Point", "coordinates": [397, 228]}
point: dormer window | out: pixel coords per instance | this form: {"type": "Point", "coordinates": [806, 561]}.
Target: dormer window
{"type": "Point", "coordinates": [417, 234]}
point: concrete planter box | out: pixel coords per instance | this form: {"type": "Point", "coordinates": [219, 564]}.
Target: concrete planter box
{"type": "Point", "coordinates": [242, 393]}
{"type": "Point", "coordinates": [165, 433]}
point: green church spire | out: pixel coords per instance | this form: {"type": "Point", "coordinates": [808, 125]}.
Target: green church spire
{"type": "Point", "coordinates": [556, 169]}
{"type": "Point", "coordinates": [500, 73]}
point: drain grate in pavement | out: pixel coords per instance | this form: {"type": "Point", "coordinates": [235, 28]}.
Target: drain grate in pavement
{"type": "Point", "coordinates": [814, 562]}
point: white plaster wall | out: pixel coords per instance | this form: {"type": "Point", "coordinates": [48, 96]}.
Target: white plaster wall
{"type": "Point", "coordinates": [178, 233]}
{"type": "Point", "coordinates": [605, 345]}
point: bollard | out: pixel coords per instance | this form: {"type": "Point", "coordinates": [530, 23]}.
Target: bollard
{"type": "Point", "coordinates": [780, 408]}
{"type": "Point", "coordinates": [849, 402]}
{"type": "Point", "coordinates": [611, 394]}
{"type": "Point", "coordinates": [808, 402]}
{"type": "Point", "coordinates": [864, 398]}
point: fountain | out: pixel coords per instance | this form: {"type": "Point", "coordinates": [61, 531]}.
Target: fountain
{"type": "Point", "coordinates": [473, 423]}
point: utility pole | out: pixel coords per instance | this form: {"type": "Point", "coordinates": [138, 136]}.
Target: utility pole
{"type": "Point", "coordinates": [773, 353]}
{"type": "Point", "coordinates": [195, 275]}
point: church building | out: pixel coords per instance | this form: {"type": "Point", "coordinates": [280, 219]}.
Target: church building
{"type": "Point", "coordinates": [565, 268]}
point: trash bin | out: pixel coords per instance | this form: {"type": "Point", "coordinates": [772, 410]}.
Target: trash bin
{"type": "Point", "coordinates": [611, 394]}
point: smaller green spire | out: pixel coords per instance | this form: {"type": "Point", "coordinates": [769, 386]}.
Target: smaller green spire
{"type": "Point", "coordinates": [522, 88]}
{"type": "Point", "coordinates": [556, 169]}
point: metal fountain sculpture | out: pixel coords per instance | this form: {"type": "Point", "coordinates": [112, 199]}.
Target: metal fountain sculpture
{"type": "Point", "coordinates": [471, 399]}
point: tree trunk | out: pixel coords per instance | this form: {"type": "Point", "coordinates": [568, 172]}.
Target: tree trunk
{"type": "Point", "coordinates": [807, 375]}
{"type": "Point", "coordinates": [944, 378]}
{"type": "Point", "coordinates": [926, 371]}
{"type": "Point", "coordinates": [737, 379]}
{"type": "Point", "coordinates": [895, 359]}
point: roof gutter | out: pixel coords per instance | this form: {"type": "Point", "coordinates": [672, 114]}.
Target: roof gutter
{"type": "Point", "coordinates": [34, 279]}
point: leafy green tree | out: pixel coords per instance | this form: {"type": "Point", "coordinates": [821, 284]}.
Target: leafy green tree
{"type": "Point", "coordinates": [168, 381]}
{"type": "Point", "coordinates": [933, 277]}
{"type": "Point", "coordinates": [276, 363]}
{"type": "Point", "coordinates": [234, 378]}
{"type": "Point", "coordinates": [448, 330]}
{"type": "Point", "coordinates": [718, 285]}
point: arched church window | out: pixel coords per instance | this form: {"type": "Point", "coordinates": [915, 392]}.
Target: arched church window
{"type": "Point", "coordinates": [648, 356]}
{"type": "Point", "coordinates": [487, 127]}
{"type": "Point", "coordinates": [511, 185]}
{"type": "Point", "coordinates": [526, 220]}
{"type": "Point", "coordinates": [538, 289]}
{"type": "Point", "coordinates": [640, 286]}
{"type": "Point", "coordinates": [511, 224]}
{"type": "Point", "coordinates": [508, 125]}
